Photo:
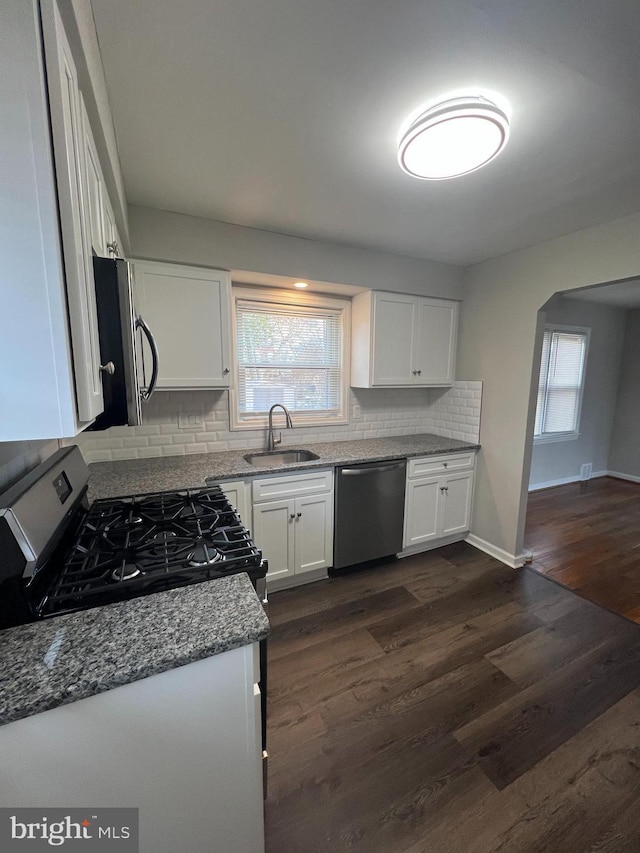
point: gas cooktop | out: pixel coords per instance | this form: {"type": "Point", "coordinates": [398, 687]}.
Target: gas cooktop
{"type": "Point", "coordinates": [61, 555]}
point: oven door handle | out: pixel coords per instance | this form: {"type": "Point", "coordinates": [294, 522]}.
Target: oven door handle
{"type": "Point", "coordinates": [141, 323]}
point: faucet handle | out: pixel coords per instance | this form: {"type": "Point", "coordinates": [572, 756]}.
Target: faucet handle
{"type": "Point", "coordinates": [277, 440]}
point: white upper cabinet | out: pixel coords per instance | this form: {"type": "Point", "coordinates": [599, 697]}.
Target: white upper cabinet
{"type": "Point", "coordinates": [50, 383]}
{"type": "Point", "coordinates": [74, 202]}
{"type": "Point", "coordinates": [189, 310]}
{"type": "Point", "coordinates": [399, 340]}
{"type": "Point", "coordinates": [101, 233]}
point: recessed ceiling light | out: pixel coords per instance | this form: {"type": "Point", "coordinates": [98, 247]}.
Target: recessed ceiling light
{"type": "Point", "coordinates": [453, 137]}
{"type": "Point", "coordinates": [301, 284]}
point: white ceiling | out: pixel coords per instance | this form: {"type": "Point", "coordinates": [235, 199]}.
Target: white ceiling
{"type": "Point", "coordinates": [284, 115]}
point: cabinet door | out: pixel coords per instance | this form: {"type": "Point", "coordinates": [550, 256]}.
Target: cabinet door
{"type": "Point", "coordinates": [236, 492]}
{"type": "Point", "coordinates": [313, 533]}
{"type": "Point", "coordinates": [422, 508]}
{"type": "Point", "coordinates": [273, 533]}
{"type": "Point", "coordinates": [394, 324]}
{"type": "Point", "coordinates": [435, 353]}
{"type": "Point", "coordinates": [94, 190]}
{"type": "Point", "coordinates": [457, 503]}
{"type": "Point", "coordinates": [189, 311]}
{"type": "Point", "coordinates": [67, 135]}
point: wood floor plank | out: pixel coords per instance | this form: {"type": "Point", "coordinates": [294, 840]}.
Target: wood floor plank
{"type": "Point", "coordinates": [600, 765]}
{"type": "Point", "coordinates": [453, 705]}
{"type": "Point", "coordinates": [533, 656]}
{"type": "Point", "coordinates": [587, 537]}
{"type": "Point", "coordinates": [514, 737]}
{"type": "Point", "coordinates": [329, 662]}
{"type": "Point", "coordinates": [300, 633]}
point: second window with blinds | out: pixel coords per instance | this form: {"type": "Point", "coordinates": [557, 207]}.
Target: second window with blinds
{"type": "Point", "coordinates": [289, 348]}
{"type": "Point", "coordinates": [561, 383]}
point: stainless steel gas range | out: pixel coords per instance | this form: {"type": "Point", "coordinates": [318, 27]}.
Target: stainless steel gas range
{"type": "Point", "coordinates": [59, 555]}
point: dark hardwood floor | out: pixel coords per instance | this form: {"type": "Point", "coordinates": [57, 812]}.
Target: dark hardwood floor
{"type": "Point", "coordinates": [587, 537]}
{"type": "Point", "coordinates": [447, 704]}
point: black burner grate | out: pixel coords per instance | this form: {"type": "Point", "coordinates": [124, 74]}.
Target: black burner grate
{"type": "Point", "coordinates": [137, 545]}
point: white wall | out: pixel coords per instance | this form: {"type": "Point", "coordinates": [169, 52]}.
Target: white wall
{"type": "Point", "coordinates": [624, 457]}
{"type": "Point", "coordinates": [560, 461]}
{"type": "Point", "coordinates": [499, 323]}
{"type": "Point", "coordinates": [452, 412]}
{"type": "Point", "coordinates": [163, 236]}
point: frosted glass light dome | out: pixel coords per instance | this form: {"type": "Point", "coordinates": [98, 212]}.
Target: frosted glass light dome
{"type": "Point", "coordinates": [453, 138]}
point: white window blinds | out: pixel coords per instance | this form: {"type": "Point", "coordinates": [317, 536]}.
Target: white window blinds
{"type": "Point", "coordinates": [561, 382]}
{"type": "Point", "coordinates": [289, 354]}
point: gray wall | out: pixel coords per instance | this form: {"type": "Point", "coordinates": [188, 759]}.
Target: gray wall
{"type": "Point", "coordinates": [498, 339]}
{"type": "Point", "coordinates": [18, 457]}
{"type": "Point", "coordinates": [624, 456]}
{"type": "Point", "coordinates": [561, 460]}
{"type": "Point", "coordinates": [163, 236]}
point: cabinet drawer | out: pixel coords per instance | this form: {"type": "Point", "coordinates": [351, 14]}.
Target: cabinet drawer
{"type": "Point", "coordinates": [290, 485]}
{"type": "Point", "coordinates": [426, 465]}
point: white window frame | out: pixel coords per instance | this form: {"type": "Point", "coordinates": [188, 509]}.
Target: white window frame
{"type": "Point", "coordinates": [572, 435]}
{"type": "Point", "coordinates": [304, 300]}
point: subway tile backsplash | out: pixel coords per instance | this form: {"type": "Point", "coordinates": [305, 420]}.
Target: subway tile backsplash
{"type": "Point", "coordinates": [453, 412]}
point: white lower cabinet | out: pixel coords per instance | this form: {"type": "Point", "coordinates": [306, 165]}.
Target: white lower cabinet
{"type": "Point", "coordinates": [202, 755]}
{"type": "Point", "coordinates": [293, 525]}
{"type": "Point", "coordinates": [236, 492]}
{"type": "Point", "coordinates": [437, 500]}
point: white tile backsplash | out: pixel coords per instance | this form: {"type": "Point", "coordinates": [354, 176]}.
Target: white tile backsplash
{"type": "Point", "coordinates": [452, 412]}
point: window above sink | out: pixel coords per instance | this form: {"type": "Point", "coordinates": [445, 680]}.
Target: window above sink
{"type": "Point", "coordinates": [290, 348]}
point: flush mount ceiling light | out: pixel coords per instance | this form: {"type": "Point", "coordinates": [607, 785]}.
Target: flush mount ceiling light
{"type": "Point", "coordinates": [453, 137]}
{"type": "Point", "coordinates": [300, 284]}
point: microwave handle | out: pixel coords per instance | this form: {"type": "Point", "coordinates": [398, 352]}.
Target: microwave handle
{"type": "Point", "coordinates": [141, 324]}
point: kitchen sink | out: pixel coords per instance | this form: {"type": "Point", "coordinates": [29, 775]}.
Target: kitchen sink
{"type": "Point", "coordinates": [271, 458]}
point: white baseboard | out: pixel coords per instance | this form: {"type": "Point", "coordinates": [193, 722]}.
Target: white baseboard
{"type": "Point", "coordinates": [514, 561]}
{"type": "Point", "coordinates": [619, 476]}
{"type": "Point", "coordinates": [563, 481]}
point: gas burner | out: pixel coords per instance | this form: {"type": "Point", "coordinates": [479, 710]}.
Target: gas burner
{"type": "Point", "coordinates": [126, 572]}
{"type": "Point", "coordinates": [205, 554]}
{"type": "Point", "coordinates": [163, 535]}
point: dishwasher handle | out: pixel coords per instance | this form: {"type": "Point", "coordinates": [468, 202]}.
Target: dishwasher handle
{"type": "Point", "coordinates": [373, 469]}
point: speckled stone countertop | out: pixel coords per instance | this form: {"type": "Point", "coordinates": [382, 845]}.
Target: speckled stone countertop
{"type": "Point", "coordinates": [60, 660]}
{"type": "Point", "coordinates": [137, 476]}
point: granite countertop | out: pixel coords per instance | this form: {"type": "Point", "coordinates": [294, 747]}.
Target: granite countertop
{"type": "Point", "coordinates": [60, 660]}
{"type": "Point", "coordinates": [137, 476]}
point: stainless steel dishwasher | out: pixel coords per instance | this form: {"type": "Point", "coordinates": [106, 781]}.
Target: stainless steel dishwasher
{"type": "Point", "coordinates": [369, 511]}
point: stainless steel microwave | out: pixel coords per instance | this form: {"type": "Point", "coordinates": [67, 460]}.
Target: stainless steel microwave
{"type": "Point", "coordinates": [122, 355]}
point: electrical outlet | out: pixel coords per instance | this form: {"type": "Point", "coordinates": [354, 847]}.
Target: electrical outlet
{"type": "Point", "coordinates": [189, 420]}
{"type": "Point", "coordinates": [357, 413]}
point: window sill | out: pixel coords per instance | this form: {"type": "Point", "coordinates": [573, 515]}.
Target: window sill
{"type": "Point", "coordinates": [551, 439]}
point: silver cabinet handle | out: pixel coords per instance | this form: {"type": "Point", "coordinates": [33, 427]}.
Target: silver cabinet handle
{"type": "Point", "coordinates": [292, 516]}
{"type": "Point", "coordinates": [225, 371]}
{"type": "Point", "coordinates": [419, 372]}
{"type": "Point", "coordinates": [299, 515]}
{"type": "Point", "coordinates": [444, 464]}
{"type": "Point", "coordinates": [415, 372]}
{"type": "Point", "coordinates": [108, 368]}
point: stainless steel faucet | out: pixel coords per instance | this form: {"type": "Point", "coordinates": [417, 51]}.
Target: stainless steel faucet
{"type": "Point", "coordinates": [271, 439]}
